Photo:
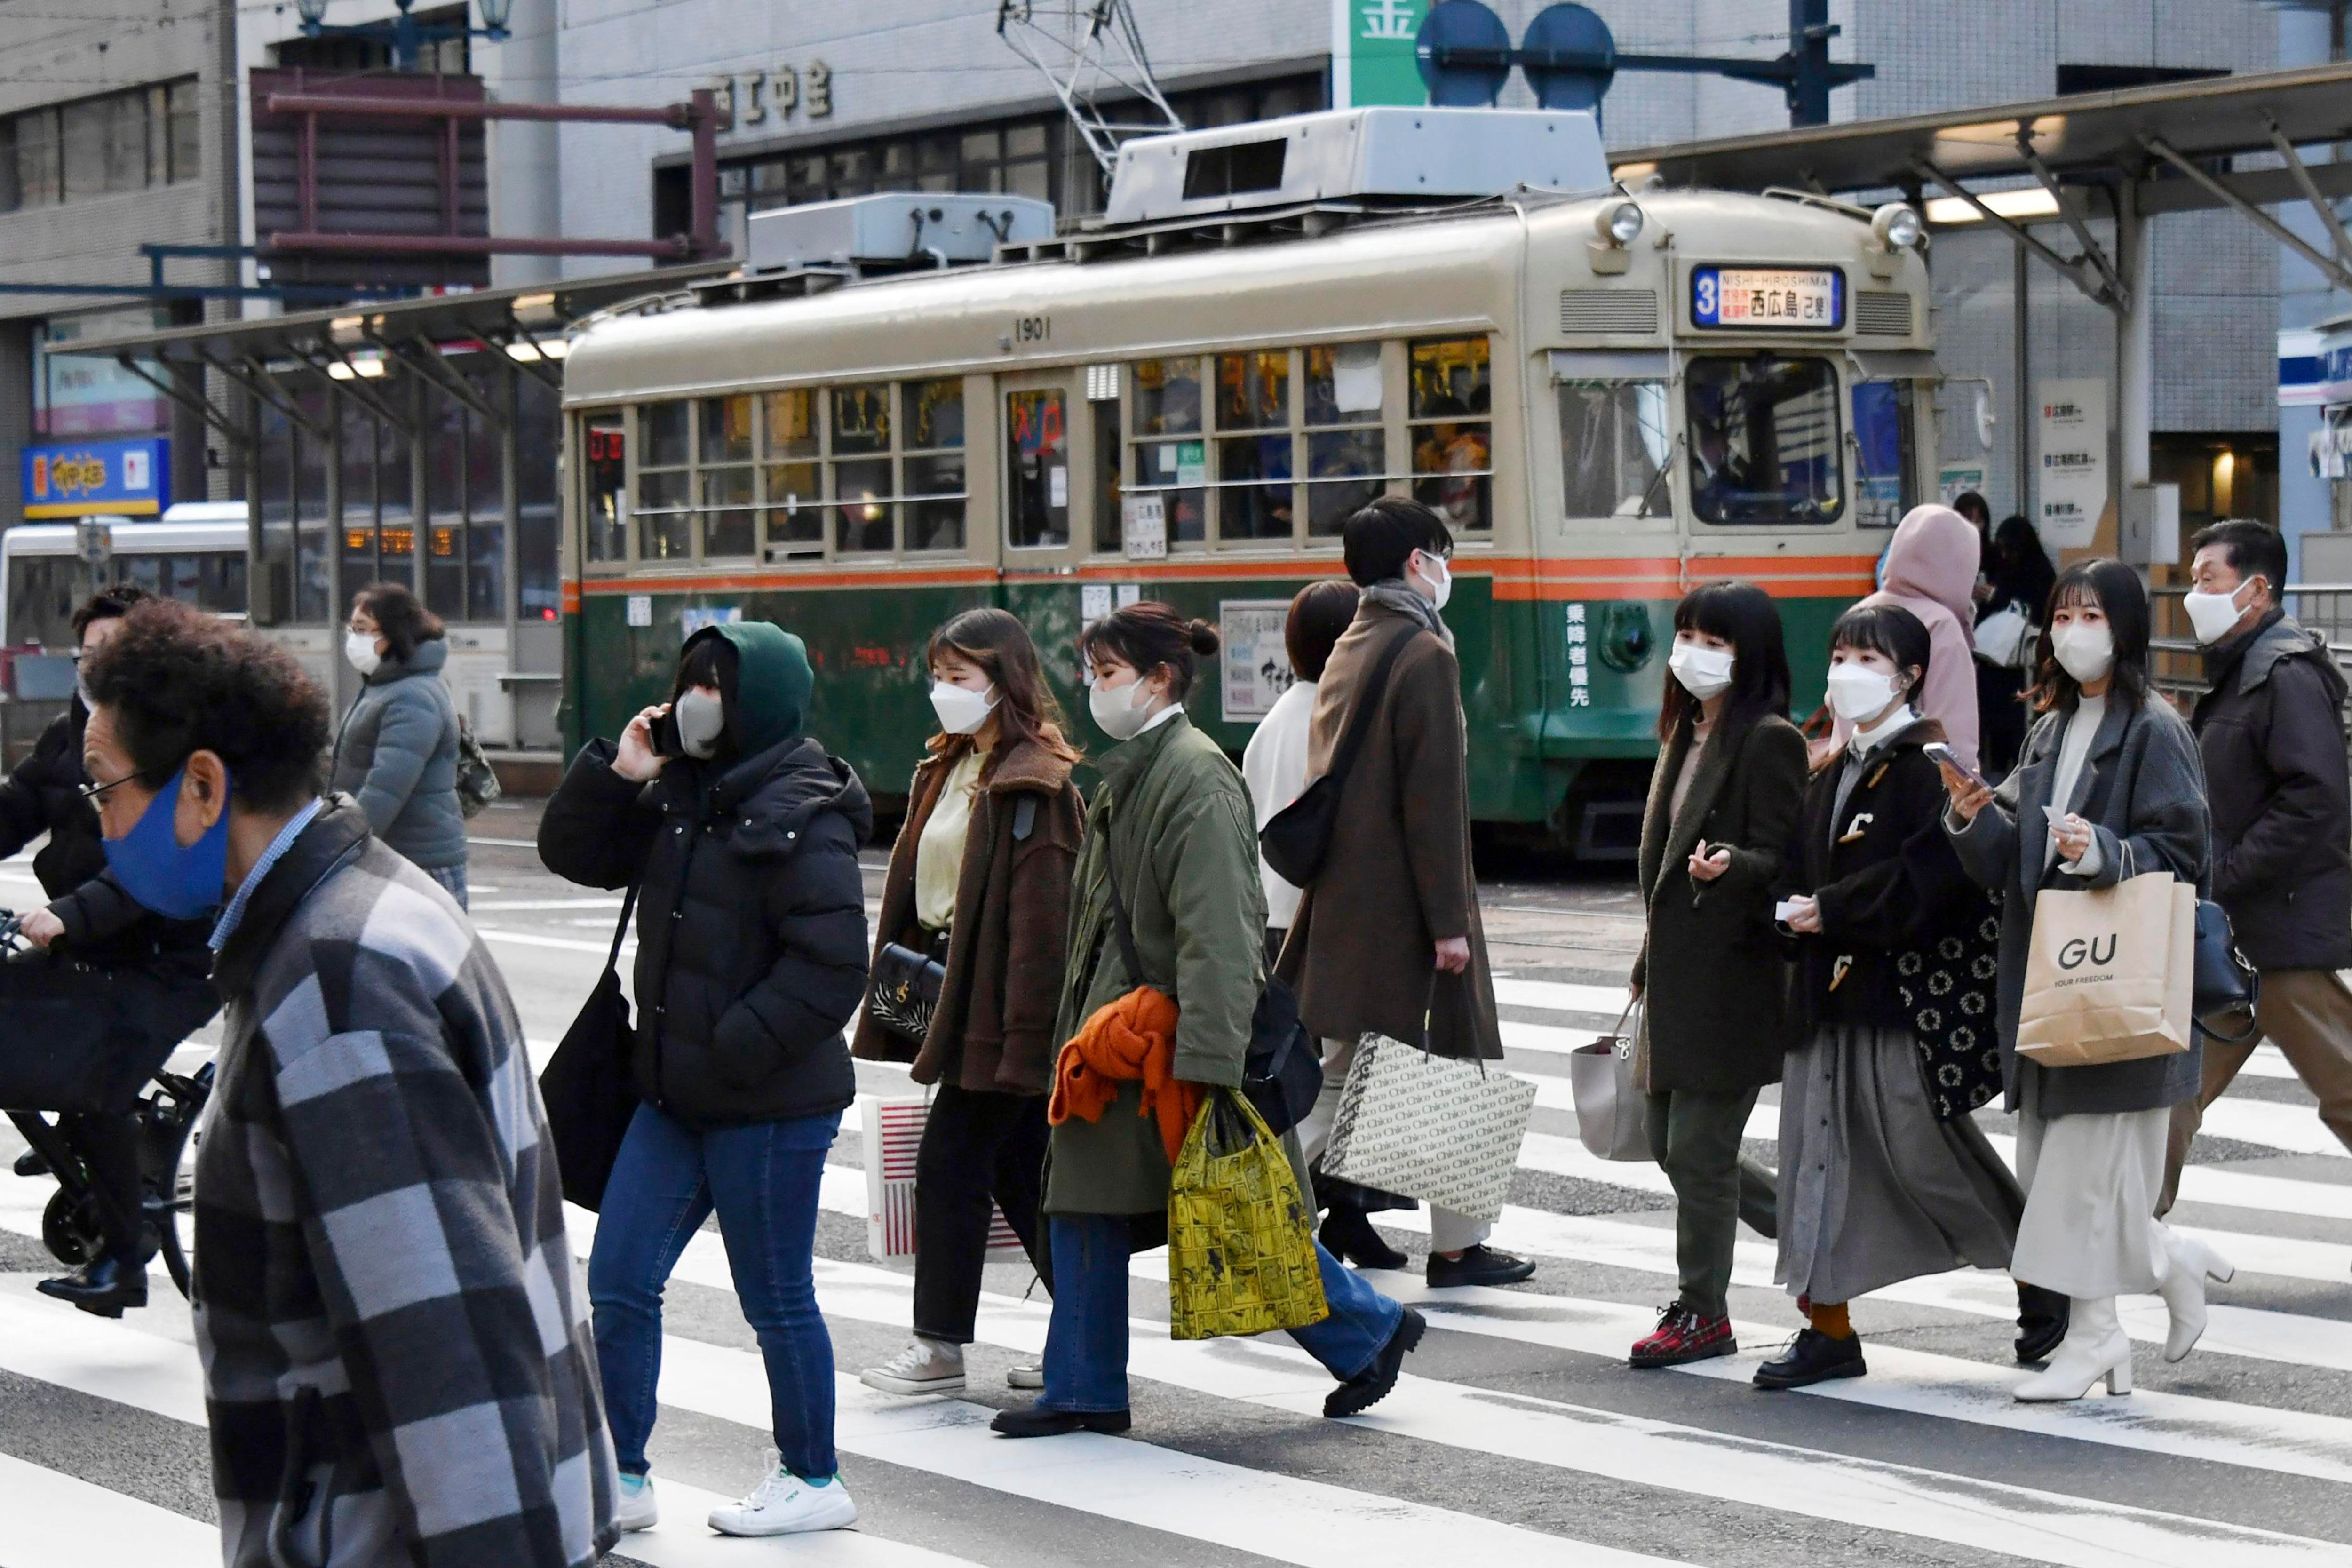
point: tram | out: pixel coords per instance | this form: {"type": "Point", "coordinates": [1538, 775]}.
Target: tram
{"type": "Point", "coordinates": [1612, 392]}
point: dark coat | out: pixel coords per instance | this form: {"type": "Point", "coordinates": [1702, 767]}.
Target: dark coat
{"type": "Point", "coordinates": [1712, 970]}
{"type": "Point", "coordinates": [1886, 876]}
{"type": "Point", "coordinates": [751, 921]}
{"type": "Point", "coordinates": [2142, 784]}
{"type": "Point", "coordinates": [2271, 729]}
{"type": "Point", "coordinates": [994, 1027]}
{"type": "Point", "coordinates": [396, 755]}
{"type": "Point", "coordinates": [104, 926]}
{"type": "Point", "coordinates": [1398, 878]}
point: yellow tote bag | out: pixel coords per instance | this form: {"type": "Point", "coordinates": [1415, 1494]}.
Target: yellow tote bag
{"type": "Point", "coordinates": [2110, 973]}
{"type": "Point", "coordinates": [1240, 1239]}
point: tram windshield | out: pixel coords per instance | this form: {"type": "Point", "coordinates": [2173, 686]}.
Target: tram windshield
{"type": "Point", "coordinates": [1764, 439]}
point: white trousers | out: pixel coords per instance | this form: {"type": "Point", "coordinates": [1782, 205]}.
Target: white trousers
{"type": "Point", "coordinates": [1448, 1231]}
{"type": "Point", "coordinates": [2091, 1187]}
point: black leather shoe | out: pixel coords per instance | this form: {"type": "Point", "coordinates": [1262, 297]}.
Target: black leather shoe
{"type": "Point", "coordinates": [2040, 1323]}
{"type": "Point", "coordinates": [1348, 1235]}
{"type": "Point", "coordinates": [1478, 1265]}
{"type": "Point", "coordinates": [1372, 1384]}
{"type": "Point", "coordinates": [103, 1287]}
{"type": "Point", "coordinates": [30, 1164]}
{"type": "Point", "coordinates": [1812, 1357]}
{"type": "Point", "coordinates": [1036, 1421]}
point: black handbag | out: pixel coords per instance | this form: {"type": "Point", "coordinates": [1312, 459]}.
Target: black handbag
{"type": "Point", "coordinates": [1296, 839]}
{"type": "Point", "coordinates": [905, 995]}
{"type": "Point", "coordinates": [1281, 1073]}
{"type": "Point", "coordinates": [587, 1086]}
{"type": "Point", "coordinates": [2226, 984]}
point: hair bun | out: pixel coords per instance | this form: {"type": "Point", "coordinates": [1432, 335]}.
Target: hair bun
{"type": "Point", "coordinates": [1203, 639]}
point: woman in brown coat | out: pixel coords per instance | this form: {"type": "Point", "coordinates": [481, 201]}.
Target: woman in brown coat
{"type": "Point", "coordinates": [980, 877]}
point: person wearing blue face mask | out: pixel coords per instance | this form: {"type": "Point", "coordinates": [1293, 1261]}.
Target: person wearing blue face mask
{"type": "Point", "coordinates": [387, 1308]}
{"type": "Point", "coordinates": [118, 988]}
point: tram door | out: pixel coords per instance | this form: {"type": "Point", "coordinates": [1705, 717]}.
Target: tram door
{"type": "Point", "coordinates": [1058, 466]}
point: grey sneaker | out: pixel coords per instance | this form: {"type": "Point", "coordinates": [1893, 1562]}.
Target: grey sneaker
{"type": "Point", "coordinates": [1029, 1374]}
{"type": "Point", "coordinates": [926, 1366]}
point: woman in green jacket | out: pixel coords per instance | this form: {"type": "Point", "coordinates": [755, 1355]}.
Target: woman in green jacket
{"type": "Point", "coordinates": [1171, 820]}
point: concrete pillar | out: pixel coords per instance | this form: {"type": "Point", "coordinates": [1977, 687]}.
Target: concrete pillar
{"type": "Point", "coordinates": [526, 156]}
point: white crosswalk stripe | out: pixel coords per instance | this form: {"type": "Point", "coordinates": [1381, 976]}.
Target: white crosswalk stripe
{"type": "Point", "coordinates": [1950, 1477]}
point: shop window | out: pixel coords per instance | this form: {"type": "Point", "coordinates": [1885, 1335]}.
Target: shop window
{"type": "Point", "coordinates": [1612, 448]}
{"type": "Point", "coordinates": [664, 509]}
{"type": "Point", "coordinates": [1449, 418]}
{"type": "Point", "coordinates": [537, 429]}
{"type": "Point", "coordinates": [314, 532]}
{"type": "Point", "coordinates": [1168, 454]}
{"type": "Point", "coordinates": [1347, 446]}
{"type": "Point", "coordinates": [490, 377]}
{"type": "Point", "coordinates": [355, 527]}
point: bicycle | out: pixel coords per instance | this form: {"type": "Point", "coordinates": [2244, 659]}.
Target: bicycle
{"type": "Point", "coordinates": [169, 1110]}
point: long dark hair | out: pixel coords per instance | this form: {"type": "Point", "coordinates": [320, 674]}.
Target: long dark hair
{"type": "Point", "coordinates": [1147, 636]}
{"type": "Point", "coordinates": [1743, 615]}
{"type": "Point", "coordinates": [999, 644]}
{"type": "Point", "coordinates": [2115, 588]}
{"type": "Point", "coordinates": [399, 618]}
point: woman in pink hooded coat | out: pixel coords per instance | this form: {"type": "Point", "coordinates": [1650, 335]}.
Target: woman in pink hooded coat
{"type": "Point", "coordinates": [1931, 571]}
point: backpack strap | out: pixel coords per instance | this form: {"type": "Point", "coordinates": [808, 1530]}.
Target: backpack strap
{"type": "Point", "coordinates": [1367, 702]}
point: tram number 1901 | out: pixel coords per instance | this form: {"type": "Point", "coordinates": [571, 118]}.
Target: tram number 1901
{"type": "Point", "coordinates": [1033, 329]}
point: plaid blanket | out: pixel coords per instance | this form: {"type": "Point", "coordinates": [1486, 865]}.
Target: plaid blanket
{"type": "Point", "coordinates": [397, 1360]}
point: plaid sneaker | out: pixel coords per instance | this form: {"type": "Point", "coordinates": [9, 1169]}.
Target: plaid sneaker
{"type": "Point", "coordinates": [1683, 1335]}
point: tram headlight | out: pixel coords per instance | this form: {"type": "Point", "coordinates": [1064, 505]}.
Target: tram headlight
{"type": "Point", "coordinates": [1896, 226]}
{"type": "Point", "coordinates": [1619, 222]}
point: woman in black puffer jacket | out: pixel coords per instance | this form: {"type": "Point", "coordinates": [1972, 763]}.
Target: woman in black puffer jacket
{"type": "Point", "coordinates": [742, 841]}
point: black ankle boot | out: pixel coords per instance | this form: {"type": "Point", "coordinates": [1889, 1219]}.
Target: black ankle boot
{"type": "Point", "coordinates": [2040, 1323]}
{"type": "Point", "coordinates": [1348, 1235]}
{"type": "Point", "coordinates": [103, 1286]}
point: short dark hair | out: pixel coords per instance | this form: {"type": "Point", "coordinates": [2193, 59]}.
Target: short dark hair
{"type": "Point", "coordinates": [1888, 629]}
{"type": "Point", "coordinates": [1319, 613]}
{"type": "Point", "coordinates": [1147, 636]}
{"type": "Point", "coordinates": [110, 603]}
{"type": "Point", "coordinates": [177, 681]}
{"type": "Point", "coordinates": [2115, 588]}
{"type": "Point", "coordinates": [2252, 549]}
{"type": "Point", "coordinates": [399, 618]}
{"type": "Point", "coordinates": [1974, 507]}
{"type": "Point", "coordinates": [1381, 537]}
{"type": "Point", "coordinates": [1743, 615]}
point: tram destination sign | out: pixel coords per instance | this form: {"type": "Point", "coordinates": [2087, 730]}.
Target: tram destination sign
{"type": "Point", "coordinates": [1768, 299]}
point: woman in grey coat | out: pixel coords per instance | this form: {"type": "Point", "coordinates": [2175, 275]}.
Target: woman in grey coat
{"type": "Point", "coordinates": [397, 752]}
{"type": "Point", "coordinates": [2110, 785]}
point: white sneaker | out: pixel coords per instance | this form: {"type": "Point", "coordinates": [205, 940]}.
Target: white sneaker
{"type": "Point", "coordinates": [783, 1504]}
{"type": "Point", "coordinates": [1027, 1375]}
{"type": "Point", "coordinates": [635, 1509]}
{"type": "Point", "coordinates": [926, 1366]}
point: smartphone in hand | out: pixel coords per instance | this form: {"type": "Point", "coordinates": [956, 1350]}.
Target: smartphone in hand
{"type": "Point", "coordinates": [663, 734]}
{"type": "Point", "coordinates": [1949, 760]}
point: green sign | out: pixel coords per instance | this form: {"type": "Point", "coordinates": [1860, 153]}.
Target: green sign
{"type": "Point", "coordinates": [1372, 52]}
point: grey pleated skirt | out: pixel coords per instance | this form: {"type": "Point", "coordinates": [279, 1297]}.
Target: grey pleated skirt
{"type": "Point", "coordinates": [1873, 1189]}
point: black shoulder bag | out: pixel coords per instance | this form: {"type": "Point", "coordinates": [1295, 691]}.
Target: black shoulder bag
{"type": "Point", "coordinates": [1281, 1073]}
{"type": "Point", "coordinates": [587, 1086]}
{"type": "Point", "coordinates": [1296, 839]}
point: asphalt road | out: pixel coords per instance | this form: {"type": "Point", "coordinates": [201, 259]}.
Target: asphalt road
{"type": "Point", "coordinates": [1519, 1437]}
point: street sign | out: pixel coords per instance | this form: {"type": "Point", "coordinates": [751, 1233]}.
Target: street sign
{"type": "Point", "coordinates": [2071, 478]}
{"type": "Point", "coordinates": [1372, 56]}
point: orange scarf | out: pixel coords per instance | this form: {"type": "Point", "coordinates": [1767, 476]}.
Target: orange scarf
{"type": "Point", "coordinates": [1132, 1038]}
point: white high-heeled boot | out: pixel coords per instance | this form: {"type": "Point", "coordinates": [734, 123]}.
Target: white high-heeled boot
{"type": "Point", "coordinates": [2096, 1347]}
{"type": "Point", "coordinates": [2187, 1264]}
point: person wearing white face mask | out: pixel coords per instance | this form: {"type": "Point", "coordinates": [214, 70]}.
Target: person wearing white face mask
{"type": "Point", "coordinates": [1884, 1177]}
{"type": "Point", "coordinates": [2270, 728]}
{"type": "Point", "coordinates": [976, 904]}
{"type": "Point", "coordinates": [2109, 786]}
{"type": "Point", "coordinates": [396, 752]}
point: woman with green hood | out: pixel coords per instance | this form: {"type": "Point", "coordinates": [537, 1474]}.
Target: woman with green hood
{"type": "Point", "coordinates": [740, 835]}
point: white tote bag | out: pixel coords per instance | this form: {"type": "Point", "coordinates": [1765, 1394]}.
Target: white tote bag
{"type": "Point", "coordinates": [894, 1132]}
{"type": "Point", "coordinates": [1610, 1111]}
{"type": "Point", "coordinates": [1430, 1127]}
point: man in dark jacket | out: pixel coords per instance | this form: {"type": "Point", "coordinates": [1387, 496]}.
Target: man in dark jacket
{"type": "Point", "coordinates": [120, 988]}
{"type": "Point", "coordinates": [2271, 727]}
{"type": "Point", "coordinates": [1388, 937]}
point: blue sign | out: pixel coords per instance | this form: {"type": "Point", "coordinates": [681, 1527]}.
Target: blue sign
{"type": "Point", "coordinates": [81, 478]}
{"type": "Point", "coordinates": [1768, 299]}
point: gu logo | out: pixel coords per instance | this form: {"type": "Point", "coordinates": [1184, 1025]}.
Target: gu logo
{"type": "Point", "coordinates": [2071, 955]}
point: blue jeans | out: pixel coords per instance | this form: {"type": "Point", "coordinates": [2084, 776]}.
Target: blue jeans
{"type": "Point", "coordinates": [762, 1178]}
{"type": "Point", "coordinates": [1086, 1345]}
{"type": "Point", "coordinates": [452, 880]}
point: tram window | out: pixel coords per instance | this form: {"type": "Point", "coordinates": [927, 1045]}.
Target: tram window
{"type": "Point", "coordinates": [794, 519]}
{"type": "Point", "coordinates": [1885, 464]}
{"type": "Point", "coordinates": [1037, 469]}
{"type": "Point", "coordinates": [1451, 429]}
{"type": "Point", "coordinates": [865, 516]}
{"type": "Point", "coordinates": [1612, 448]}
{"type": "Point", "coordinates": [662, 427]}
{"type": "Point", "coordinates": [1253, 471]}
{"type": "Point", "coordinates": [1347, 449]}
{"type": "Point", "coordinates": [725, 477]}
{"type": "Point", "coordinates": [41, 600]}
{"type": "Point", "coordinates": [1169, 454]}
{"type": "Point", "coordinates": [933, 475]}
{"type": "Point", "coordinates": [665, 493]}
{"type": "Point", "coordinates": [1764, 440]}
{"type": "Point", "coordinates": [1108, 537]}
{"type": "Point", "coordinates": [605, 504]}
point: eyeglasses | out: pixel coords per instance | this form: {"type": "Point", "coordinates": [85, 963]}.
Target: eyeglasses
{"type": "Point", "coordinates": [96, 793]}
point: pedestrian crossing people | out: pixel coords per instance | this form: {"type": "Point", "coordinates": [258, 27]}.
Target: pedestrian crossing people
{"type": "Point", "coordinates": [2110, 785]}
{"type": "Point", "coordinates": [397, 1364]}
{"type": "Point", "coordinates": [1884, 1174]}
{"type": "Point", "coordinates": [396, 752]}
{"type": "Point", "coordinates": [1169, 837]}
{"type": "Point", "coordinates": [2270, 728]}
{"type": "Point", "coordinates": [1722, 810]}
{"type": "Point", "coordinates": [1389, 940]}
{"type": "Point", "coordinates": [980, 874]}
{"type": "Point", "coordinates": [741, 833]}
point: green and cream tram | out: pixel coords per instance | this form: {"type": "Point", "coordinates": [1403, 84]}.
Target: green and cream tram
{"type": "Point", "coordinates": [1612, 397]}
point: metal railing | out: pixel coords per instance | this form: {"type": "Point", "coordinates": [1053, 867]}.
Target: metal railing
{"type": "Point", "coordinates": [2177, 661]}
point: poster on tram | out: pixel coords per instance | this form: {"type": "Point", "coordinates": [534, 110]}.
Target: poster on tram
{"type": "Point", "coordinates": [1257, 661]}
{"type": "Point", "coordinates": [2071, 475]}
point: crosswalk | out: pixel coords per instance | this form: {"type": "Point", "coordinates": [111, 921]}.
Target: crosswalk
{"type": "Point", "coordinates": [1516, 1436]}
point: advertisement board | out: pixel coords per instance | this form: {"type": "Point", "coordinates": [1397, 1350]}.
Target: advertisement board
{"type": "Point", "coordinates": [79, 479]}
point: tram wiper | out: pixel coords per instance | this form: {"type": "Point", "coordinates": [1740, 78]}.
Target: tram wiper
{"type": "Point", "coordinates": [1656, 479]}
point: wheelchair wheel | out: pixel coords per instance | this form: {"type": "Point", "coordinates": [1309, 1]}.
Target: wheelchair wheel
{"type": "Point", "coordinates": [70, 1229]}
{"type": "Point", "coordinates": [176, 1230]}
{"type": "Point", "coordinates": [171, 1112]}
